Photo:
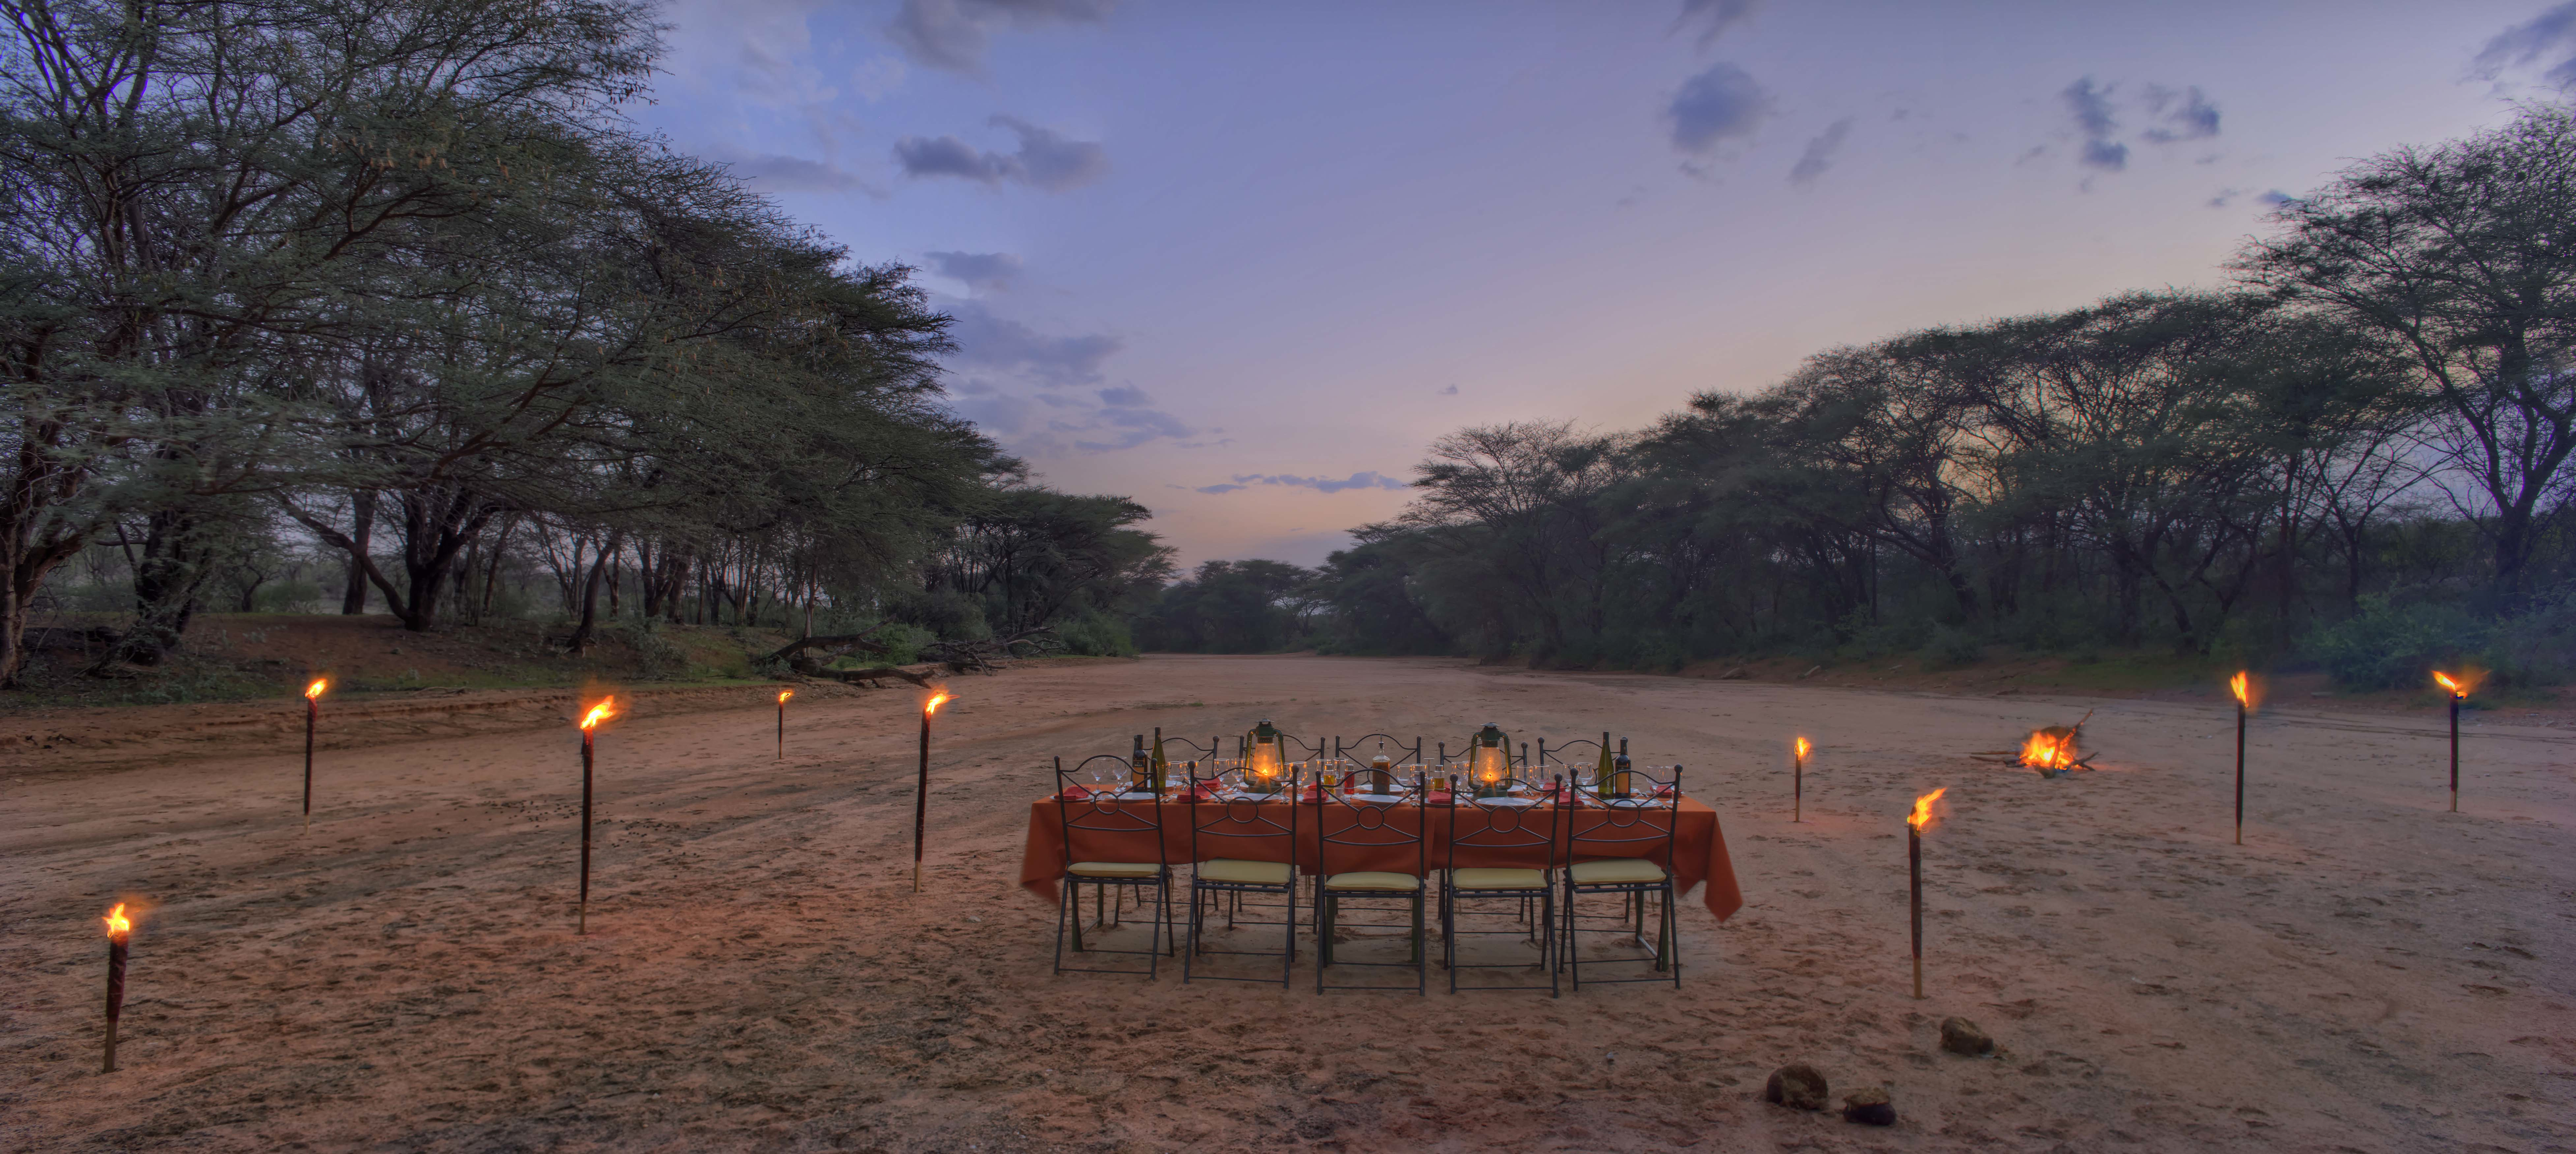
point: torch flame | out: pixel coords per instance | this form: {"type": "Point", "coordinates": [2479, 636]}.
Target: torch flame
{"type": "Point", "coordinates": [607, 708]}
{"type": "Point", "coordinates": [2044, 751]}
{"type": "Point", "coordinates": [2457, 689]}
{"type": "Point", "coordinates": [117, 924]}
{"type": "Point", "coordinates": [1802, 749]}
{"type": "Point", "coordinates": [1921, 818]}
{"type": "Point", "coordinates": [938, 699]}
{"type": "Point", "coordinates": [2244, 691]}
{"type": "Point", "coordinates": [784, 694]}
{"type": "Point", "coordinates": [313, 692]}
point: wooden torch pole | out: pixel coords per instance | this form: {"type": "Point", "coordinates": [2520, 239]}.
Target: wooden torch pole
{"type": "Point", "coordinates": [1914, 868]}
{"type": "Point", "coordinates": [921, 800]}
{"type": "Point", "coordinates": [2240, 772]}
{"type": "Point", "coordinates": [2455, 753]}
{"type": "Point", "coordinates": [581, 923]}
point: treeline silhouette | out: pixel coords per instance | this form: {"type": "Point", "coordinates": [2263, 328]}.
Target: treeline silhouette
{"type": "Point", "coordinates": [396, 281]}
{"type": "Point", "coordinates": [2355, 454]}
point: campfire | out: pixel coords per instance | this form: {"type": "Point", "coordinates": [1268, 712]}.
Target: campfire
{"type": "Point", "coordinates": [2052, 751]}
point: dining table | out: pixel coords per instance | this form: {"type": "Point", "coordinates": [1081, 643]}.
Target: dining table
{"type": "Point", "coordinates": [1698, 858]}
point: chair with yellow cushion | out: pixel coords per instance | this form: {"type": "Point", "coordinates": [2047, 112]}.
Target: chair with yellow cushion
{"type": "Point", "coordinates": [1621, 846]}
{"type": "Point", "coordinates": [1105, 847]}
{"type": "Point", "coordinates": [1370, 849]}
{"type": "Point", "coordinates": [1509, 834]}
{"type": "Point", "coordinates": [1242, 846]}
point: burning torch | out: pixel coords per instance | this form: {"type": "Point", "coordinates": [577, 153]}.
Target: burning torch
{"type": "Point", "coordinates": [119, 932]}
{"type": "Point", "coordinates": [1915, 824]}
{"type": "Point", "coordinates": [607, 708]}
{"type": "Point", "coordinates": [2243, 688]}
{"type": "Point", "coordinates": [312, 713]}
{"type": "Point", "coordinates": [1798, 781]}
{"type": "Point", "coordinates": [921, 792]}
{"type": "Point", "coordinates": [783, 695]}
{"type": "Point", "coordinates": [2459, 691]}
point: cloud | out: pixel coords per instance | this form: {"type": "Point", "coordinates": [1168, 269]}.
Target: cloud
{"type": "Point", "coordinates": [982, 271]}
{"type": "Point", "coordinates": [1721, 104]}
{"type": "Point", "coordinates": [2276, 198]}
{"type": "Point", "coordinates": [2090, 104]}
{"type": "Point", "coordinates": [2107, 155]}
{"type": "Point", "coordinates": [987, 339]}
{"type": "Point", "coordinates": [2548, 34]}
{"type": "Point", "coordinates": [2186, 115]}
{"type": "Point", "coordinates": [953, 34]}
{"type": "Point", "coordinates": [1713, 17]}
{"type": "Point", "coordinates": [1820, 153]}
{"type": "Point", "coordinates": [1451, 391]}
{"type": "Point", "coordinates": [771, 172]}
{"type": "Point", "coordinates": [1042, 395]}
{"type": "Point", "coordinates": [1367, 480]}
{"type": "Point", "coordinates": [1046, 160]}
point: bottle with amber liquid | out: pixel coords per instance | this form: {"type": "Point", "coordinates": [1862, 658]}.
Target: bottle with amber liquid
{"type": "Point", "coordinates": [1619, 771]}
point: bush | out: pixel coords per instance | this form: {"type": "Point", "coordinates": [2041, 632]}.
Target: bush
{"type": "Point", "coordinates": [1097, 635]}
{"type": "Point", "coordinates": [2389, 647]}
{"type": "Point", "coordinates": [1952, 648]}
{"type": "Point", "coordinates": [2536, 646]}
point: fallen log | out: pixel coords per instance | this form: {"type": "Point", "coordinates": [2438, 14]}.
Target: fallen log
{"type": "Point", "coordinates": [870, 676]}
{"type": "Point", "coordinates": [788, 653]}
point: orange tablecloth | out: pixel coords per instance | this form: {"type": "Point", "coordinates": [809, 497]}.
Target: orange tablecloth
{"type": "Point", "coordinates": [1699, 846]}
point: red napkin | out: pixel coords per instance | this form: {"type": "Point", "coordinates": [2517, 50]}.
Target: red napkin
{"type": "Point", "coordinates": [1075, 793]}
{"type": "Point", "coordinates": [1437, 797]}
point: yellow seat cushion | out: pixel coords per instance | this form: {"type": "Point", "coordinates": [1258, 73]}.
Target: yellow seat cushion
{"type": "Point", "coordinates": [1257, 873]}
{"type": "Point", "coordinates": [1374, 880]}
{"type": "Point", "coordinates": [1616, 871]}
{"type": "Point", "coordinates": [1113, 869]}
{"type": "Point", "coordinates": [1499, 879]}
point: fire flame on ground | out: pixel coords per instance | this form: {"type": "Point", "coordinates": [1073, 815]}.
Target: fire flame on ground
{"type": "Point", "coordinates": [2456, 688]}
{"type": "Point", "coordinates": [784, 694]}
{"type": "Point", "coordinates": [607, 708]}
{"type": "Point", "coordinates": [118, 925]}
{"type": "Point", "coordinates": [1803, 747]}
{"type": "Point", "coordinates": [936, 700]}
{"type": "Point", "coordinates": [2243, 688]}
{"type": "Point", "coordinates": [313, 692]}
{"type": "Point", "coordinates": [2044, 751]}
{"type": "Point", "coordinates": [1921, 818]}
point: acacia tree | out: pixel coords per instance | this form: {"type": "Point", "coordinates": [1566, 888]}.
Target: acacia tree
{"type": "Point", "coordinates": [192, 193]}
{"type": "Point", "coordinates": [2462, 254]}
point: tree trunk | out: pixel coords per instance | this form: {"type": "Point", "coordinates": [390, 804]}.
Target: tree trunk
{"type": "Point", "coordinates": [590, 596]}
{"type": "Point", "coordinates": [167, 578]}
{"type": "Point", "coordinates": [362, 528]}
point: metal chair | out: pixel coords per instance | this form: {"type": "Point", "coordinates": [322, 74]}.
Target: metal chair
{"type": "Point", "coordinates": [1364, 830]}
{"type": "Point", "coordinates": [1095, 818]}
{"type": "Point", "coordinates": [1514, 835]}
{"type": "Point", "coordinates": [1629, 843]}
{"type": "Point", "coordinates": [1239, 847]}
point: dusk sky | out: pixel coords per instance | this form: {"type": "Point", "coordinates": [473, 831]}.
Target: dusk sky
{"type": "Point", "coordinates": [1243, 262]}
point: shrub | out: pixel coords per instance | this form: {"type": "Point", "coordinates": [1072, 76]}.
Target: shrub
{"type": "Point", "coordinates": [1096, 635]}
{"type": "Point", "coordinates": [2391, 647]}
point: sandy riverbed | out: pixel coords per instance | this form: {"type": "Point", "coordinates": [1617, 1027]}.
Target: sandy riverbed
{"type": "Point", "coordinates": [2368, 972]}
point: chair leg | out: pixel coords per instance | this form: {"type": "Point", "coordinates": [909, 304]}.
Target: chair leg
{"type": "Point", "coordinates": [1547, 945]}
{"type": "Point", "coordinates": [1573, 949]}
{"type": "Point", "coordinates": [1288, 963]}
{"type": "Point", "coordinates": [1449, 938]}
{"type": "Point", "coordinates": [1070, 899]}
{"type": "Point", "coordinates": [1323, 936]}
{"type": "Point", "coordinates": [1191, 954]}
{"type": "Point", "coordinates": [1421, 948]}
